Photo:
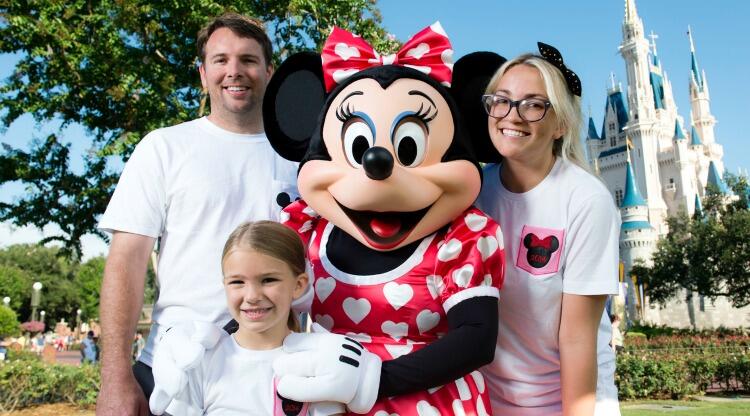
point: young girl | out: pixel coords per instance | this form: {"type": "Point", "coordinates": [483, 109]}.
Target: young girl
{"type": "Point", "coordinates": [561, 232]}
{"type": "Point", "coordinates": [263, 264]}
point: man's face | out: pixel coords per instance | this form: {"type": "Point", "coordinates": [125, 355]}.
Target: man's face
{"type": "Point", "coordinates": [235, 74]}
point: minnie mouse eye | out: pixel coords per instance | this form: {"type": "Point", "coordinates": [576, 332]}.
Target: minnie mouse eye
{"type": "Point", "coordinates": [409, 143]}
{"type": "Point", "coordinates": [357, 139]}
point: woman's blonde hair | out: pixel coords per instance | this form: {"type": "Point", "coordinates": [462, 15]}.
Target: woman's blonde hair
{"type": "Point", "coordinates": [272, 239]}
{"type": "Point", "coordinates": [567, 106]}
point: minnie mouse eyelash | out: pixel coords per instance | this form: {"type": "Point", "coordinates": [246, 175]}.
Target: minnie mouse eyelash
{"type": "Point", "coordinates": [425, 115]}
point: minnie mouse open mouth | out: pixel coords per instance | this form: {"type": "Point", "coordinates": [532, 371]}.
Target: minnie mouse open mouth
{"type": "Point", "coordinates": [384, 230]}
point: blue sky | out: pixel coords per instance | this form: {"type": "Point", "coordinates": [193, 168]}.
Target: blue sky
{"type": "Point", "coordinates": [587, 33]}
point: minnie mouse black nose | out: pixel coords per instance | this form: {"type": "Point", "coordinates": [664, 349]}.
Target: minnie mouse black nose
{"type": "Point", "coordinates": [378, 163]}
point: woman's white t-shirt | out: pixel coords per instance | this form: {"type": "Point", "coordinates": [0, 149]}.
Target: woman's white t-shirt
{"type": "Point", "coordinates": [560, 237]}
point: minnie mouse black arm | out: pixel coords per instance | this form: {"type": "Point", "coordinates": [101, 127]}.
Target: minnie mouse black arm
{"type": "Point", "coordinates": [468, 345]}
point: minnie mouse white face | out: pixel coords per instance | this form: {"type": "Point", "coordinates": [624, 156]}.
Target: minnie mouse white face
{"type": "Point", "coordinates": [386, 183]}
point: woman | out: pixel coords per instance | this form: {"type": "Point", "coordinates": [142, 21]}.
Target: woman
{"type": "Point", "coordinates": [561, 232]}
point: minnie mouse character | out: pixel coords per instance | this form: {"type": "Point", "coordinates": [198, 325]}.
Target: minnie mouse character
{"type": "Point", "coordinates": [403, 265]}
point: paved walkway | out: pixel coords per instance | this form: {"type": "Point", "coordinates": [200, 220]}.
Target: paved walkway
{"type": "Point", "coordinates": [68, 357]}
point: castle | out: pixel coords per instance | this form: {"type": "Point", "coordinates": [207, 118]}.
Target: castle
{"type": "Point", "coordinates": [657, 165]}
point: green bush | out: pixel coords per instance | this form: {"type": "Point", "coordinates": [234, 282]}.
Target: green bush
{"type": "Point", "coordinates": [8, 322]}
{"type": "Point", "coordinates": [26, 382]}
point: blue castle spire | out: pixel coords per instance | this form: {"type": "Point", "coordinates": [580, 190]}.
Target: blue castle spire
{"type": "Point", "coordinates": [698, 206]}
{"type": "Point", "coordinates": [592, 135]}
{"type": "Point", "coordinates": [695, 139]}
{"type": "Point", "coordinates": [715, 179]}
{"type": "Point", "coordinates": [678, 134]}
{"type": "Point", "coordinates": [632, 196]}
{"type": "Point", "coordinates": [694, 62]}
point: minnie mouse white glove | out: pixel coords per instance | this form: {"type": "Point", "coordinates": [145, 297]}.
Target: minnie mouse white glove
{"type": "Point", "coordinates": [323, 366]}
{"type": "Point", "coordinates": [179, 350]}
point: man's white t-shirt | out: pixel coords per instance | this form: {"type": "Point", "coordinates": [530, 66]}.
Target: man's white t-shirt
{"type": "Point", "coordinates": [191, 185]}
{"type": "Point", "coordinates": [560, 237]}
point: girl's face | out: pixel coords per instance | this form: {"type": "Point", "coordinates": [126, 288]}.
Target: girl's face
{"type": "Point", "coordinates": [515, 138]}
{"type": "Point", "coordinates": [260, 290]}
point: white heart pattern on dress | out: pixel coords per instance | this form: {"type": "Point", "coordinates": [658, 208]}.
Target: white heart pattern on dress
{"type": "Point", "coordinates": [475, 222]}
{"type": "Point", "coordinates": [478, 380]}
{"type": "Point", "coordinates": [434, 389]}
{"type": "Point", "coordinates": [356, 309]}
{"type": "Point", "coordinates": [284, 217]}
{"type": "Point", "coordinates": [449, 250]}
{"type": "Point", "coordinates": [487, 280]}
{"type": "Point", "coordinates": [426, 320]}
{"type": "Point", "coordinates": [435, 285]}
{"type": "Point", "coordinates": [345, 51]}
{"type": "Point", "coordinates": [397, 350]}
{"type": "Point", "coordinates": [395, 330]}
{"type": "Point", "coordinates": [384, 413]}
{"type": "Point", "coordinates": [309, 211]}
{"type": "Point", "coordinates": [397, 295]}
{"type": "Point", "coordinates": [418, 51]}
{"type": "Point", "coordinates": [326, 321]}
{"type": "Point", "coordinates": [487, 246]}
{"type": "Point", "coordinates": [458, 408]}
{"type": "Point", "coordinates": [463, 389]}
{"type": "Point", "coordinates": [426, 409]}
{"type": "Point", "coordinates": [307, 226]}
{"type": "Point", "coordinates": [500, 239]}
{"type": "Point", "coordinates": [463, 276]}
{"type": "Point", "coordinates": [324, 287]}
{"type": "Point", "coordinates": [481, 411]}
{"type": "Point", "coordinates": [361, 337]}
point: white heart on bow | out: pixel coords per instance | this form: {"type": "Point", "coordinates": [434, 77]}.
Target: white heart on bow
{"type": "Point", "coordinates": [426, 409]}
{"type": "Point", "coordinates": [395, 330]}
{"type": "Point", "coordinates": [324, 287]}
{"type": "Point", "coordinates": [435, 285]}
{"type": "Point", "coordinates": [426, 320]}
{"type": "Point", "coordinates": [418, 51]}
{"type": "Point", "coordinates": [309, 211]}
{"type": "Point", "coordinates": [458, 408]}
{"type": "Point", "coordinates": [361, 337]}
{"type": "Point", "coordinates": [463, 276]}
{"type": "Point", "coordinates": [342, 74]}
{"type": "Point", "coordinates": [397, 350]}
{"type": "Point", "coordinates": [487, 246]}
{"type": "Point", "coordinates": [463, 389]}
{"type": "Point", "coordinates": [284, 217]}
{"type": "Point", "coordinates": [449, 250]}
{"type": "Point", "coordinates": [326, 321]}
{"type": "Point", "coordinates": [345, 51]}
{"type": "Point", "coordinates": [397, 295]}
{"type": "Point", "coordinates": [475, 222]}
{"type": "Point", "coordinates": [478, 380]}
{"type": "Point", "coordinates": [447, 57]}
{"type": "Point", "coordinates": [356, 309]}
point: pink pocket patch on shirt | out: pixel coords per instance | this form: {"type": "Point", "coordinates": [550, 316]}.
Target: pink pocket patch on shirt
{"type": "Point", "coordinates": [540, 249]}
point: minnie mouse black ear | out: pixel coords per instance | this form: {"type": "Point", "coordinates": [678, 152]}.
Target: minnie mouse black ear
{"type": "Point", "coordinates": [292, 103]}
{"type": "Point", "coordinates": [471, 74]}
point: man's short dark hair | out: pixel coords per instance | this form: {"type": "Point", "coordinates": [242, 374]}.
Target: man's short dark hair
{"type": "Point", "coordinates": [240, 25]}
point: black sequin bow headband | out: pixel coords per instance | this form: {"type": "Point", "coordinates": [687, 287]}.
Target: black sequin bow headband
{"type": "Point", "coordinates": [553, 56]}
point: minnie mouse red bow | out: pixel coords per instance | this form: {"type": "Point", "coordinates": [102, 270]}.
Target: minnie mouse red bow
{"type": "Point", "coordinates": [542, 242]}
{"type": "Point", "coordinates": [429, 51]}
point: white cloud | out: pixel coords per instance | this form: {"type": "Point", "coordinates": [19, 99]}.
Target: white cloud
{"type": "Point", "coordinates": [9, 234]}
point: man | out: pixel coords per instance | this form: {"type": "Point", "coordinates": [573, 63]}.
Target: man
{"type": "Point", "coordinates": [188, 186]}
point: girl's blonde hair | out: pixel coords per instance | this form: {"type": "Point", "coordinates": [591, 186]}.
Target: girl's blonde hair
{"type": "Point", "coordinates": [566, 105]}
{"type": "Point", "coordinates": [272, 239]}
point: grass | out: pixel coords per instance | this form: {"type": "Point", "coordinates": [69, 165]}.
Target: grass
{"type": "Point", "coordinates": [695, 408]}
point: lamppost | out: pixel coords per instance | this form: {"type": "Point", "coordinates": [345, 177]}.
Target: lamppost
{"type": "Point", "coordinates": [78, 322]}
{"type": "Point", "coordinates": [41, 316]}
{"type": "Point", "coordinates": [6, 301]}
{"type": "Point", "coordinates": [35, 293]}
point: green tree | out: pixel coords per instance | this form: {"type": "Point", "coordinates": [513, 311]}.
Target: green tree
{"type": "Point", "coordinates": [23, 264]}
{"type": "Point", "coordinates": [89, 281]}
{"type": "Point", "coordinates": [8, 322]}
{"type": "Point", "coordinates": [121, 69]}
{"type": "Point", "coordinates": [708, 254]}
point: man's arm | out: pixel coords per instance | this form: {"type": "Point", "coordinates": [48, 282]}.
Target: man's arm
{"type": "Point", "coordinates": [121, 302]}
{"type": "Point", "coordinates": [578, 362]}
